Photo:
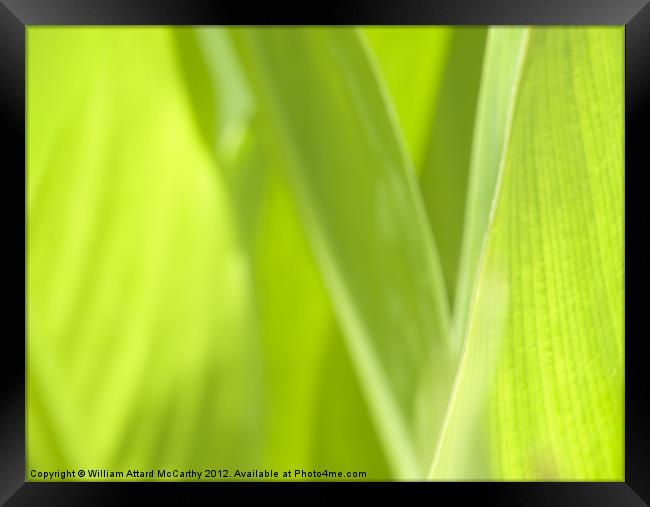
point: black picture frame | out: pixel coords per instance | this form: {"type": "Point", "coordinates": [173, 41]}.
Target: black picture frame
{"type": "Point", "coordinates": [15, 15]}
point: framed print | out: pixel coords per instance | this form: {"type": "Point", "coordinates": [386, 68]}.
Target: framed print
{"type": "Point", "coordinates": [385, 247]}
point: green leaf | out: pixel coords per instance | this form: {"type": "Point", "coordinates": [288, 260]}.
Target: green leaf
{"type": "Point", "coordinates": [546, 325]}
{"type": "Point", "coordinates": [229, 258]}
{"type": "Point", "coordinates": [310, 388]}
{"type": "Point", "coordinates": [433, 74]}
{"type": "Point", "coordinates": [444, 177]}
{"type": "Point", "coordinates": [301, 345]}
{"type": "Point", "coordinates": [501, 69]}
{"type": "Point", "coordinates": [344, 436]}
{"type": "Point", "coordinates": [358, 200]}
{"type": "Point", "coordinates": [220, 95]}
{"type": "Point", "coordinates": [412, 62]}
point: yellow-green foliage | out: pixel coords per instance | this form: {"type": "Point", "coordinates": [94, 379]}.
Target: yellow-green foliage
{"type": "Point", "coordinates": [390, 250]}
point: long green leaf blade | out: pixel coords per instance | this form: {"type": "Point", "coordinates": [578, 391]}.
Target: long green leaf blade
{"type": "Point", "coordinates": [501, 70]}
{"type": "Point", "coordinates": [554, 252]}
{"type": "Point", "coordinates": [365, 221]}
{"type": "Point", "coordinates": [445, 173]}
{"type": "Point", "coordinates": [412, 62]}
{"type": "Point", "coordinates": [433, 74]}
{"type": "Point", "coordinates": [310, 389]}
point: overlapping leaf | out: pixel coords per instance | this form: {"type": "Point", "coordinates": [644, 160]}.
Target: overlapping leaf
{"type": "Point", "coordinates": [554, 254]}
{"type": "Point", "coordinates": [433, 74]}
{"type": "Point", "coordinates": [242, 245]}
{"type": "Point", "coordinates": [358, 199]}
{"type": "Point", "coordinates": [305, 405]}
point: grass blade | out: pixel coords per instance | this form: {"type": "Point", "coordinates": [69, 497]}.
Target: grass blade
{"type": "Point", "coordinates": [411, 61]}
{"type": "Point", "coordinates": [554, 246]}
{"type": "Point", "coordinates": [359, 203]}
{"type": "Point", "coordinates": [501, 68]}
{"type": "Point", "coordinates": [433, 74]}
{"type": "Point", "coordinates": [444, 176]}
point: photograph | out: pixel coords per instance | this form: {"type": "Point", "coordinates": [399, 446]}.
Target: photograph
{"type": "Point", "coordinates": [324, 253]}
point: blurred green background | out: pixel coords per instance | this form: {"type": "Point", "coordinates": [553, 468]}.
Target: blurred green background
{"type": "Point", "coordinates": [389, 250]}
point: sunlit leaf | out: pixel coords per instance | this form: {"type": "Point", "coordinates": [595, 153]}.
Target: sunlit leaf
{"type": "Point", "coordinates": [302, 348]}
{"type": "Point", "coordinates": [500, 72]}
{"type": "Point", "coordinates": [411, 61]}
{"type": "Point", "coordinates": [433, 74]}
{"type": "Point", "coordinates": [365, 222]}
{"type": "Point", "coordinates": [554, 341]}
{"type": "Point", "coordinates": [242, 245]}
{"type": "Point", "coordinates": [444, 176]}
